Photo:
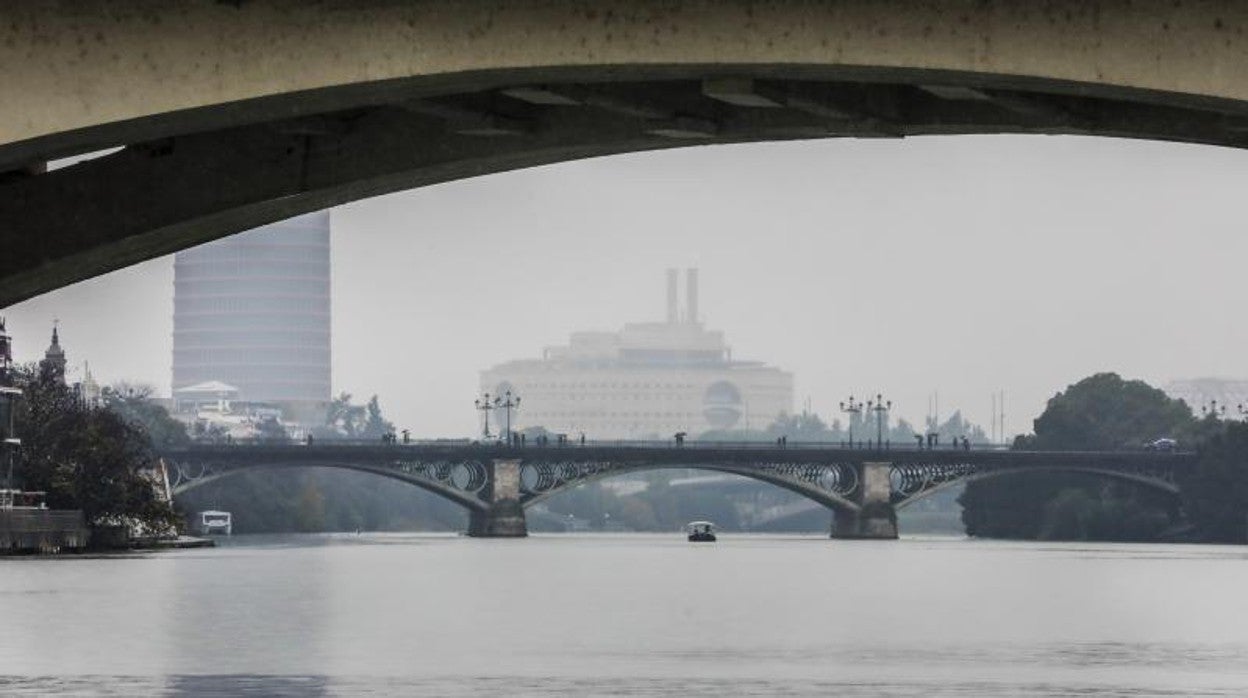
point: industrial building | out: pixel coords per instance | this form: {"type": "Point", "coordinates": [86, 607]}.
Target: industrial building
{"type": "Point", "coordinates": [648, 380]}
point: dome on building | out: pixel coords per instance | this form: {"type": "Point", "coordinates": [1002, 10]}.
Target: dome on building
{"type": "Point", "coordinates": [721, 405]}
{"type": "Point", "coordinates": [648, 380]}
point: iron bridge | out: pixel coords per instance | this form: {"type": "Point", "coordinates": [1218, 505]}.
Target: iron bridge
{"type": "Point", "coordinates": [495, 482]}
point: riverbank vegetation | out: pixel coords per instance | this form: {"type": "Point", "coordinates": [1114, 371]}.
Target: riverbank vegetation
{"type": "Point", "coordinates": [1106, 412]}
{"type": "Point", "coordinates": [99, 458]}
{"type": "Point", "coordinates": [84, 456]}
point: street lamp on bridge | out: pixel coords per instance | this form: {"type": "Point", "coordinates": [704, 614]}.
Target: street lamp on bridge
{"type": "Point", "coordinates": [880, 407]}
{"type": "Point", "coordinates": [483, 403]}
{"type": "Point", "coordinates": [1212, 408]}
{"type": "Point", "coordinates": [853, 408]}
{"type": "Point", "coordinates": [507, 405]}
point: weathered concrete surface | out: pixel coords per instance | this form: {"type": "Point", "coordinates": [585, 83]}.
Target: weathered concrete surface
{"type": "Point", "coordinates": [876, 520]}
{"type": "Point", "coordinates": [236, 114]}
{"type": "Point", "coordinates": [505, 516]}
{"type": "Point", "coordinates": [94, 62]}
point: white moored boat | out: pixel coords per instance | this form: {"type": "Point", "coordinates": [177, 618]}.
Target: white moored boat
{"type": "Point", "coordinates": [213, 523]}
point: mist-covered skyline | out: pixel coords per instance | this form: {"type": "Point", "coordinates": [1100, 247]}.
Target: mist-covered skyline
{"type": "Point", "coordinates": [959, 265]}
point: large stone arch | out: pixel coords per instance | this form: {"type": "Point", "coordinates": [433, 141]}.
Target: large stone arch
{"type": "Point", "coordinates": [235, 114]}
{"type": "Point", "coordinates": [1143, 480]}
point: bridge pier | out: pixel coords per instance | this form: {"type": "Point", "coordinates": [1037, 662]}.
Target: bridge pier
{"type": "Point", "coordinates": [876, 519]}
{"type": "Point", "coordinates": [504, 516]}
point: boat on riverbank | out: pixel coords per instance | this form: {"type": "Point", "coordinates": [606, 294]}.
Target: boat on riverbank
{"type": "Point", "coordinates": [214, 523]}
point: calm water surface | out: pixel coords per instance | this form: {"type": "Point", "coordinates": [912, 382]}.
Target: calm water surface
{"type": "Point", "coordinates": [629, 615]}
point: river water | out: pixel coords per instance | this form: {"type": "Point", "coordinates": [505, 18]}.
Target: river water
{"type": "Point", "coordinates": [396, 614]}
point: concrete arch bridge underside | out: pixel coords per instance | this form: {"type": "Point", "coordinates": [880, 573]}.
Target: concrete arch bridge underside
{"type": "Point", "coordinates": [228, 115]}
{"type": "Point", "coordinates": [863, 488]}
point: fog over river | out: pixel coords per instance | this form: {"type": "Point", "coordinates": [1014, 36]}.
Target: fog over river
{"type": "Point", "coordinates": [384, 614]}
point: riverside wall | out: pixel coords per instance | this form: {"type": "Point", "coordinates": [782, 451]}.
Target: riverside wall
{"type": "Point", "coordinates": [42, 530]}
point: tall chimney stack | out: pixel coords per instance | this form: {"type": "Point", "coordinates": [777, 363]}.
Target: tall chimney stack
{"type": "Point", "coordinates": [691, 294]}
{"type": "Point", "coordinates": [671, 296]}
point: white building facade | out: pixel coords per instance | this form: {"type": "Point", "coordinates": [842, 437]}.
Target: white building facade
{"type": "Point", "coordinates": [1229, 393]}
{"type": "Point", "coordinates": [649, 380]}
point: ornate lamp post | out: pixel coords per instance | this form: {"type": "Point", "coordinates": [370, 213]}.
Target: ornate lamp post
{"type": "Point", "coordinates": [880, 407]}
{"type": "Point", "coordinates": [853, 408]}
{"type": "Point", "coordinates": [507, 404]}
{"type": "Point", "coordinates": [483, 403]}
{"type": "Point", "coordinates": [1212, 408]}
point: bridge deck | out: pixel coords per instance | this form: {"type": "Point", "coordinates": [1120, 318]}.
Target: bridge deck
{"type": "Point", "coordinates": [691, 453]}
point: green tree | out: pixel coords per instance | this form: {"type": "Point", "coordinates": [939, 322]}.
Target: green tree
{"type": "Point", "coordinates": [375, 425]}
{"type": "Point", "coordinates": [805, 426]}
{"type": "Point", "coordinates": [1215, 496]}
{"type": "Point", "coordinates": [956, 427]}
{"type": "Point", "coordinates": [1105, 412]}
{"type": "Point", "coordinates": [809, 427]}
{"type": "Point", "coordinates": [86, 457]}
{"type": "Point", "coordinates": [1069, 515]}
{"type": "Point", "coordinates": [344, 419]}
{"type": "Point", "coordinates": [135, 405]}
{"type": "Point", "coordinates": [1101, 412]}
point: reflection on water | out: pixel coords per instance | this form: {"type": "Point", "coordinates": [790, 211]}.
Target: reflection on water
{"type": "Point", "coordinates": [649, 615]}
{"type": "Point", "coordinates": [228, 686]}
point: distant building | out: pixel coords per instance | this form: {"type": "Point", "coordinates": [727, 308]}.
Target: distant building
{"type": "Point", "coordinates": [53, 362]}
{"type": "Point", "coordinates": [252, 311]}
{"type": "Point", "coordinates": [649, 380]}
{"type": "Point", "coordinates": [1198, 392]}
{"type": "Point", "coordinates": [89, 389]}
{"type": "Point", "coordinates": [6, 355]}
{"type": "Point", "coordinates": [8, 397]}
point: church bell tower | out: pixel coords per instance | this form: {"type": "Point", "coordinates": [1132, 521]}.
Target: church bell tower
{"type": "Point", "coordinates": [54, 358]}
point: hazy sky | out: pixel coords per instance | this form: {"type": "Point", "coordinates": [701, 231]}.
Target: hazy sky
{"type": "Point", "coordinates": [961, 265]}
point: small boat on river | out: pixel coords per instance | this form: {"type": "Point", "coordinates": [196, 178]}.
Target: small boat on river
{"type": "Point", "coordinates": [701, 531]}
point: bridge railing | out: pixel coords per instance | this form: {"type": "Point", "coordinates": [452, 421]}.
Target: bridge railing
{"type": "Point", "coordinates": [573, 444]}
{"type": "Point", "coordinates": [603, 443]}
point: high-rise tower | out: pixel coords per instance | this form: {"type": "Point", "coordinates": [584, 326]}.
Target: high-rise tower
{"type": "Point", "coordinates": [253, 311]}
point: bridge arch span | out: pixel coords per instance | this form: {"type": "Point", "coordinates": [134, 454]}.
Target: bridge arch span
{"type": "Point", "coordinates": [232, 115]}
{"type": "Point", "coordinates": [787, 477]}
{"type": "Point", "coordinates": [187, 477]}
{"type": "Point", "coordinates": [1153, 482]}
